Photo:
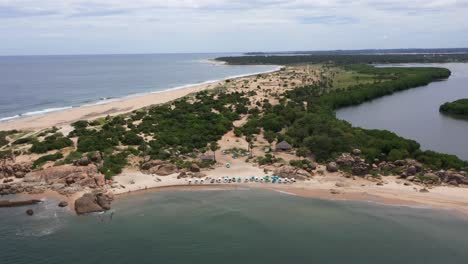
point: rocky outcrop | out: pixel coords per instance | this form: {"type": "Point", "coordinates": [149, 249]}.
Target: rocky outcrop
{"type": "Point", "coordinates": [159, 167]}
{"type": "Point", "coordinates": [18, 170]}
{"type": "Point", "coordinates": [292, 172]}
{"type": "Point", "coordinates": [453, 177]}
{"type": "Point", "coordinates": [85, 176]}
{"type": "Point", "coordinates": [93, 202]}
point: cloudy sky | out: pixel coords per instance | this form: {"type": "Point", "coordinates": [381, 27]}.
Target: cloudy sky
{"type": "Point", "coordinates": [158, 26]}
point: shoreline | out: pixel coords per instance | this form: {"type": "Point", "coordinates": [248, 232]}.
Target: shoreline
{"type": "Point", "coordinates": [317, 192]}
{"type": "Point", "coordinates": [59, 116]}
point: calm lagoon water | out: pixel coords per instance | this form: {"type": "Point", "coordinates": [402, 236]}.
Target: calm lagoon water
{"type": "Point", "coordinates": [415, 113]}
{"type": "Point", "coordinates": [39, 84]}
{"type": "Point", "coordinates": [234, 226]}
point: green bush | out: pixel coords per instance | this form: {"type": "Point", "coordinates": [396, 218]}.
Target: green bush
{"type": "Point", "coordinates": [42, 160]}
{"type": "Point", "coordinates": [56, 141]}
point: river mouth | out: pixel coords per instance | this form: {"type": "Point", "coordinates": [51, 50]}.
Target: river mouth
{"type": "Point", "coordinates": [414, 113]}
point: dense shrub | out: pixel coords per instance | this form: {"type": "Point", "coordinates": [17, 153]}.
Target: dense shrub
{"type": "Point", "coordinates": [42, 160]}
{"type": "Point", "coordinates": [55, 141]}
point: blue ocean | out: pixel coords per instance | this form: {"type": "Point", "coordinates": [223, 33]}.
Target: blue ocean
{"type": "Point", "coordinates": [32, 85]}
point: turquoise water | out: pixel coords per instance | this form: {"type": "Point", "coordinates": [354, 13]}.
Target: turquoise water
{"type": "Point", "coordinates": [235, 226]}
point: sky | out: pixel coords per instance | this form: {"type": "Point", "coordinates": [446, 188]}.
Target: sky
{"type": "Point", "coordinates": [41, 27]}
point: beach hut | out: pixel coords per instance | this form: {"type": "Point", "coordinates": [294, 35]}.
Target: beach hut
{"type": "Point", "coordinates": [283, 146]}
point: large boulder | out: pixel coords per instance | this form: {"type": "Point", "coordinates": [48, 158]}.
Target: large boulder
{"type": "Point", "coordinates": [87, 204]}
{"type": "Point", "coordinates": [164, 169]}
{"type": "Point", "coordinates": [84, 161]}
{"type": "Point", "coordinates": [93, 202]}
{"type": "Point", "coordinates": [356, 152]}
{"type": "Point", "coordinates": [194, 168]}
{"type": "Point", "coordinates": [332, 167]}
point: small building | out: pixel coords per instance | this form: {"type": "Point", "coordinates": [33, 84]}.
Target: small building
{"type": "Point", "coordinates": [283, 146]}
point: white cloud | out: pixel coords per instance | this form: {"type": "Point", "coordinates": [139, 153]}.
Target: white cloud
{"type": "Point", "coordinates": [228, 24]}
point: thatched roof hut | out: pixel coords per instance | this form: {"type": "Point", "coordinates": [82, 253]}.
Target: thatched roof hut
{"type": "Point", "coordinates": [283, 146]}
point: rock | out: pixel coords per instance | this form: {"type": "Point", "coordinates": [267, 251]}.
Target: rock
{"type": "Point", "coordinates": [95, 157]}
{"type": "Point", "coordinates": [20, 174]}
{"type": "Point", "coordinates": [345, 159]}
{"type": "Point", "coordinates": [333, 191]}
{"type": "Point", "coordinates": [104, 201]}
{"type": "Point", "coordinates": [194, 168]}
{"type": "Point", "coordinates": [88, 204]}
{"type": "Point", "coordinates": [63, 204]}
{"type": "Point", "coordinates": [59, 174]}
{"type": "Point", "coordinates": [100, 180]}
{"type": "Point", "coordinates": [411, 170]}
{"type": "Point", "coordinates": [29, 212]}
{"type": "Point", "coordinates": [360, 169]}
{"type": "Point", "coordinates": [312, 166]}
{"type": "Point", "coordinates": [332, 167]}
{"type": "Point", "coordinates": [424, 190]}
{"type": "Point", "coordinates": [411, 178]}
{"type": "Point", "coordinates": [288, 171]}
{"type": "Point", "coordinates": [164, 170]}
{"type": "Point", "coordinates": [151, 164]}
{"type": "Point", "coordinates": [418, 166]}
{"type": "Point", "coordinates": [380, 184]}
{"type": "Point", "coordinates": [431, 178]}
{"type": "Point", "coordinates": [407, 184]}
{"type": "Point", "coordinates": [182, 175]}
{"type": "Point", "coordinates": [400, 163]}
{"type": "Point", "coordinates": [356, 152]}
{"type": "Point", "coordinates": [84, 161]}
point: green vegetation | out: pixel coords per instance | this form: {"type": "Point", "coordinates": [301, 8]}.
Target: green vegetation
{"type": "Point", "coordinates": [3, 137]}
{"type": "Point", "coordinates": [307, 120]}
{"type": "Point", "coordinates": [42, 160]}
{"type": "Point", "coordinates": [168, 132]}
{"type": "Point", "coordinates": [457, 108]}
{"type": "Point", "coordinates": [346, 59]}
{"type": "Point", "coordinates": [113, 164]}
{"type": "Point", "coordinates": [53, 142]}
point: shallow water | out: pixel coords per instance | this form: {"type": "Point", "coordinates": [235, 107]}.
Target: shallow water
{"type": "Point", "coordinates": [414, 113]}
{"type": "Point", "coordinates": [38, 84]}
{"type": "Point", "coordinates": [234, 226]}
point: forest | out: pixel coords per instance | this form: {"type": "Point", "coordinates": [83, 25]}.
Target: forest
{"type": "Point", "coordinates": [458, 108]}
{"type": "Point", "coordinates": [345, 59]}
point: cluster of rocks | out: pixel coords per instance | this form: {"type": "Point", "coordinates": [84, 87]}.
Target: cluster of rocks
{"type": "Point", "coordinates": [159, 167]}
{"type": "Point", "coordinates": [287, 171]}
{"type": "Point", "coordinates": [93, 202]}
{"type": "Point", "coordinates": [94, 157]}
{"type": "Point", "coordinates": [17, 170]}
{"type": "Point", "coordinates": [407, 169]}
{"type": "Point", "coordinates": [66, 179]}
